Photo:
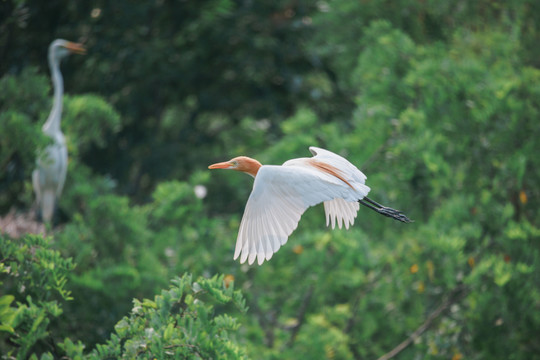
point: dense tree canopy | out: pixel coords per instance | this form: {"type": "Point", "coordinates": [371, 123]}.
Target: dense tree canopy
{"type": "Point", "coordinates": [437, 102]}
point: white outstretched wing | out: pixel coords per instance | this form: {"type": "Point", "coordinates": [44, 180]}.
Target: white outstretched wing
{"type": "Point", "coordinates": [281, 194]}
{"type": "Point", "coordinates": [279, 197]}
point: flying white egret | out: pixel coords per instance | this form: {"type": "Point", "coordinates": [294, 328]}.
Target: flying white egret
{"type": "Point", "coordinates": [281, 194]}
{"type": "Point", "coordinates": [50, 174]}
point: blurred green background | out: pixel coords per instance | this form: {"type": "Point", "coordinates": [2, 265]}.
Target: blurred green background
{"type": "Point", "coordinates": [437, 102]}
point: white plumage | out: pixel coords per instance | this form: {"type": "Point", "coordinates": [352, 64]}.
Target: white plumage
{"type": "Point", "coordinates": [281, 194]}
{"type": "Point", "coordinates": [50, 174]}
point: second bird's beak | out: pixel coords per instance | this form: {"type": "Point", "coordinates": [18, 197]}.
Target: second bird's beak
{"type": "Point", "coordinates": [221, 165]}
{"type": "Point", "coordinates": [76, 48]}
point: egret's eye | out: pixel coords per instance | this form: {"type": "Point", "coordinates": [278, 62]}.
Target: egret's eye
{"type": "Point", "coordinates": [234, 163]}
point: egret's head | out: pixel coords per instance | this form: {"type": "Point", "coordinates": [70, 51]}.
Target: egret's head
{"type": "Point", "coordinates": [241, 163]}
{"type": "Point", "coordinates": [60, 48]}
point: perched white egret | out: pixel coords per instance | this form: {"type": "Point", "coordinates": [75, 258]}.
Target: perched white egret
{"type": "Point", "coordinates": [281, 194]}
{"type": "Point", "coordinates": [50, 174]}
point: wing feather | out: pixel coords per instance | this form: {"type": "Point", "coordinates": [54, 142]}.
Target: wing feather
{"type": "Point", "coordinates": [279, 232]}
{"type": "Point", "coordinates": [344, 212]}
{"type": "Point", "coordinates": [279, 198]}
{"type": "Point", "coordinates": [339, 162]}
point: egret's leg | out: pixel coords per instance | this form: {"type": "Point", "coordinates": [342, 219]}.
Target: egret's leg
{"type": "Point", "coordinates": [383, 210]}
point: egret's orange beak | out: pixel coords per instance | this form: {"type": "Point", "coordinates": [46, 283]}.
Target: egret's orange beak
{"type": "Point", "coordinates": [76, 48]}
{"type": "Point", "coordinates": [221, 165]}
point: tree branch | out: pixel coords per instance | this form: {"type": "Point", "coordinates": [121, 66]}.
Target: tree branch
{"type": "Point", "coordinates": [456, 295]}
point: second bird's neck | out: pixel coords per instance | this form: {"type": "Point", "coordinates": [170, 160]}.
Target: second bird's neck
{"type": "Point", "coordinates": [52, 126]}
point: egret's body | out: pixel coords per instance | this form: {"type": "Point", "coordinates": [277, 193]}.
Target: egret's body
{"type": "Point", "coordinates": [50, 174]}
{"type": "Point", "coordinates": [281, 194]}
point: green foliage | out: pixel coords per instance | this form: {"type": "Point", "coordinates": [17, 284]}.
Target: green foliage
{"type": "Point", "coordinates": [331, 341]}
{"type": "Point", "coordinates": [125, 251]}
{"type": "Point", "coordinates": [386, 57]}
{"type": "Point", "coordinates": [26, 93]}
{"type": "Point", "coordinates": [185, 321]}
{"type": "Point", "coordinates": [108, 241]}
{"type": "Point", "coordinates": [22, 100]}
{"type": "Point", "coordinates": [437, 103]}
{"type": "Point", "coordinates": [89, 120]}
{"type": "Point", "coordinates": [33, 278]}
{"type": "Point", "coordinates": [22, 136]}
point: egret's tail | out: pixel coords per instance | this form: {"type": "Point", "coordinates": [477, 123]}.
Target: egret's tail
{"type": "Point", "coordinates": [383, 210]}
{"type": "Point", "coordinates": [48, 198]}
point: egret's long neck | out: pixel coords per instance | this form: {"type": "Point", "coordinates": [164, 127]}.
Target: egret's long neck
{"type": "Point", "coordinates": [52, 126]}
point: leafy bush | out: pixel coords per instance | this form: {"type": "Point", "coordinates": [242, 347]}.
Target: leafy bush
{"type": "Point", "coordinates": [186, 321]}
{"type": "Point", "coordinates": [33, 278]}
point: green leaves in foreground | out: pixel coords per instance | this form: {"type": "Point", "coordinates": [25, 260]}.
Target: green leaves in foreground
{"type": "Point", "coordinates": [187, 321]}
{"type": "Point", "coordinates": [33, 279]}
